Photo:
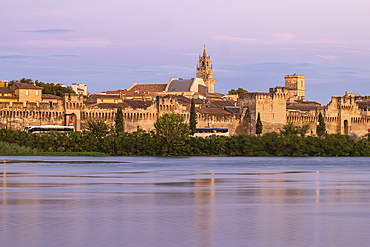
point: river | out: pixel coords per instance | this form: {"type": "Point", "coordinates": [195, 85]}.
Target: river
{"type": "Point", "coordinates": [194, 201]}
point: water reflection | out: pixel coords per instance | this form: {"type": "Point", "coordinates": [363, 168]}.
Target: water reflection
{"type": "Point", "coordinates": [119, 204]}
{"type": "Point", "coordinates": [4, 185]}
{"type": "Point", "coordinates": [204, 211]}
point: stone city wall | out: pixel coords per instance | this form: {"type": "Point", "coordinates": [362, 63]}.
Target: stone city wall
{"type": "Point", "coordinates": [72, 109]}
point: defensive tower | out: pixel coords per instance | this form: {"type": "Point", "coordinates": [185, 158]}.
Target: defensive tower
{"type": "Point", "coordinates": [296, 86]}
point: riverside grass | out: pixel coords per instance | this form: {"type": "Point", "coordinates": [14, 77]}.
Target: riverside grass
{"type": "Point", "coordinates": [13, 149]}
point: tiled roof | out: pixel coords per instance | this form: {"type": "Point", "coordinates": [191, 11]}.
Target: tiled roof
{"type": "Point", "coordinates": [308, 102]}
{"type": "Point", "coordinates": [8, 97]}
{"type": "Point", "coordinates": [5, 90]}
{"type": "Point", "coordinates": [209, 110]}
{"type": "Point", "coordinates": [50, 96]}
{"type": "Point", "coordinates": [221, 103]}
{"type": "Point", "coordinates": [130, 103]}
{"type": "Point", "coordinates": [215, 95]}
{"type": "Point", "coordinates": [133, 94]}
{"type": "Point", "coordinates": [26, 86]}
{"type": "Point", "coordinates": [141, 88]}
{"type": "Point", "coordinates": [113, 92]}
{"type": "Point", "coordinates": [104, 96]}
{"type": "Point", "coordinates": [186, 101]}
{"type": "Point", "coordinates": [233, 109]}
{"type": "Point", "coordinates": [104, 105]}
{"type": "Point", "coordinates": [364, 104]}
{"type": "Point", "coordinates": [301, 107]}
{"type": "Point", "coordinates": [138, 104]}
{"type": "Point", "coordinates": [183, 100]}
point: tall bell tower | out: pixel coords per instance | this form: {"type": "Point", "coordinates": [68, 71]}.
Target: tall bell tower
{"type": "Point", "coordinates": [205, 71]}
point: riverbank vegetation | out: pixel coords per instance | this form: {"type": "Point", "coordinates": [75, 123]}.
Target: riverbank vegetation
{"type": "Point", "coordinates": [102, 139]}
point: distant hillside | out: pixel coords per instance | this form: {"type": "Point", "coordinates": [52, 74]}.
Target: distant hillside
{"type": "Point", "coordinates": [49, 88]}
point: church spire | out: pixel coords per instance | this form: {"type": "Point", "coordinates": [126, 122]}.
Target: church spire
{"type": "Point", "coordinates": [205, 71]}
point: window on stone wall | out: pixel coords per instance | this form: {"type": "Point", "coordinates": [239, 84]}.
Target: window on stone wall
{"type": "Point", "coordinates": [37, 92]}
{"type": "Point", "coordinates": [27, 92]}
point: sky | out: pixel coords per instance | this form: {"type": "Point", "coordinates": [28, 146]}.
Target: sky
{"type": "Point", "coordinates": [253, 44]}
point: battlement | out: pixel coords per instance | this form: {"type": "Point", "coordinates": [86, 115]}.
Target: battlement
{"type": "Point", "coordinates": [253, 95]}
{"type": "Point", "coordinates": [168, 99]}
{"type": "Point", "coordinates": [294, 76]}
{"type": "Point", "coordinates": [167, 103]}
{"type": "Point", "coordinates": [73, 97]}
{"type": "Point", "coordinates": [365, 120]}
{"type": "Point", "coordinates": [277, 93]}
{"type": "Point", "coordinates": [278, 89]}
{"type": "Point", "coordinates": [29, 106]}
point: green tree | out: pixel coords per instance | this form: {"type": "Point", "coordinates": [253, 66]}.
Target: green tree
{"type": "Point", "coordinates": [259, 125]}
{"type": "Point", "coordinates": [320, 129]}
{"type": "Point", "coordinates": [97, 129]}
{"type": "Point", "coordinates": [304, 130]}
{"type": "Point", "coordinates": [120, 125]}
{"type": "Point", "coordinates": [193, 118]}
{"type": "Point", "coordinates": [171, 128]}
{"type": "Point", "coordinates": [238, 91]}
{"type": "Point", "coordinates": [290, 129]}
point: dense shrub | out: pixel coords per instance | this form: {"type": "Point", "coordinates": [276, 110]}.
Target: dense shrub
{"type": "Point", "coordinates": [151, 144]}
{"type": "Point", "coordinates": [14, 149]}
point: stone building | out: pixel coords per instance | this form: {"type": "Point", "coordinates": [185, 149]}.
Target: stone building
{"type": "Point", "coordinates": [343, 115]}
{"type": "Point", "coordinates": [27, 92]}
{"type": "Point", "coordinates": [79, 88]}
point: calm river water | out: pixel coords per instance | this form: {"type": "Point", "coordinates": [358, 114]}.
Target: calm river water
{"type": "Point", "coordinates": [198, 201]}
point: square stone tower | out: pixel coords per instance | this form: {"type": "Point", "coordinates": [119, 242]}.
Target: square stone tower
{"type": "Point", "coordinates": [296, 85]}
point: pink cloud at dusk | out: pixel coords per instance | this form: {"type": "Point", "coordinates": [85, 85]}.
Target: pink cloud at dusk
{"type": "Point", "coordinates": [282, 37]}
{"type": "Point", "coordinates": [150, 41]}
{"type": "Point", "coordinates": [328, 57]}
{"type": "Point", "coordinates": [101, 43]}
{"type": "Point", "coordinates": [240, 40]}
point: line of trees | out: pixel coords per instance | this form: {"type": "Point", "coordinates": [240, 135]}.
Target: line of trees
{"type": "Point", "coordinates": [171, 137]}
{"type": "Point", "coordinates": [48, 88]}
{"type": "Point", "coordinates": [238, 91]}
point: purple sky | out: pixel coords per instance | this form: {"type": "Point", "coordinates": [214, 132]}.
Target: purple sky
{"type": "Point", "coordinates": [253, 44]}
